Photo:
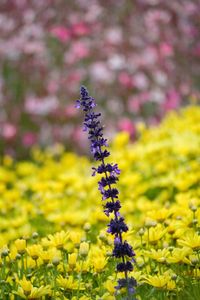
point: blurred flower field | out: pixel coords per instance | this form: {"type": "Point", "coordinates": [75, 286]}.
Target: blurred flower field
{"type": "Point", "coordinates": [54, 243]}
{"type": "Point", "coordinates": [140, 57]}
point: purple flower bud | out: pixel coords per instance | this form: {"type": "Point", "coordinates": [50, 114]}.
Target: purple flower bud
{"type": "Point", "coordinates": [117, 226]}
{"type": "Point", "coordinates": [110, 193]}
{"type": "Point", "coordinates": [121, 267]}
{"type": "Point", "coordinates": [112, 179]}
{"type": "Point", "coordinates": [99, 155]}
{"type": "Point", "coordinates": [130, 282]}
{"type": "Point", "coordinates": [122, 249]}
{"type": "Point", "coordinates": [112, 207]}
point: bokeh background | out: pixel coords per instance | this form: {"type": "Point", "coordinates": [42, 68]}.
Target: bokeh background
{"type": "Point", "coordinates": [138, 58]}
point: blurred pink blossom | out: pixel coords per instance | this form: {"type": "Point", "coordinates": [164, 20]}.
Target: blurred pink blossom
{"type": "Point", "coordinates": [33, 48]}
{"type": "Point", "coordinates": [9, 131]}
{"type": "Point", "coordinates": [41, 106]}
{"type": "Point", "coordinates": [73, 80]}
{"type": "Point", "coordinates": [29, 139]}
{"type": "Point", "coordinates": [127, 125]}
{"type": "Point", "coordinates": [52, 86]}
{"type": "Point", "coordinates": [80, 29]}
{"type": "Point", "coordinates": [114, 35]}
{"type": "Point", "coordinates": [125, 79]}
{"type": "Point", "coordinates": [78, 137]}
{"type": "Point", "coordinates": [100, 71]}
{"type": "Point", "coordinates": [70, 111]}
{"type": "Point", "coordinates": [172, 100]}
{"type": "Point", "coordinates": [80, 50]}
{"type": "Point", "coordinates": [134, 104]}
{"type": "Point", "coordinates": [141, 81]}
{"type": "Point", "coordinates": [61, 33]}
{"type": "Point", "coordinates": [166, 49]}
{"type": "Point", "coordinates": [196, 50]}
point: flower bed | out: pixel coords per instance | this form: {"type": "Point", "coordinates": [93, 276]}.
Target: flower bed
{"type": "Point", "coordinates": [54, 243]}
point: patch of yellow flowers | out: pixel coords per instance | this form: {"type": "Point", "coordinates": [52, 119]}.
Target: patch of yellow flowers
{"type": "Point", "coordinates": [53, 240]}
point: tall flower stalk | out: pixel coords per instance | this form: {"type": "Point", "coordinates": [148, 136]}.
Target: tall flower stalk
{"type": "Point", "coordinates": [110, 172]}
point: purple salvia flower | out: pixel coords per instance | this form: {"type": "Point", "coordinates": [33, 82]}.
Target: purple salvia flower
{"type": "Point", "coordinates": [110, 172]}
{"type": "Point", "coordinates": [122, 267]}
{"type": "Point", "coordinates": [112, 206]}
{"type": "Point", "coordinates": [117, 226]}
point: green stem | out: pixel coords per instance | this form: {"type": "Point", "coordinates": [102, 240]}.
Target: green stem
{"type": "Point", "coordinates": [79, 279]}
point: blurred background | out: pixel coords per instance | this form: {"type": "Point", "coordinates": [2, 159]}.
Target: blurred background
{"type": "Point", "coordinates": [138, 58]}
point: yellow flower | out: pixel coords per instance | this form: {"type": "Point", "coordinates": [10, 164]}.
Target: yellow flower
{"type": "Point", "coordinates": [137, 275]}
{"type": "Point", "coordinates": [159, 255]}
{"type": "Point", "coordinates": [154, 234]}
{"type": "Point", "coordinates": [72, 259]}
{"type": "Point", "coordinates": [45, 242]}
{"type": "Point", "coordinates": [99, 263]}
{"type": "Point", "coordinates": [84, 249]}
{"type": "Point", "coordinates": [59, 239]}
{"type": "Point", "coordinates": [110, 286]}
{"type": "Point", "coordinates": [121, 140]}
{"type": "Point", "coordinates": [191, 240]}
{"type": "Point", "coordinates": [75, 237]}
{"type": "Point", "coordinates": [173, 225]}
{"type": "Point", "coordinates": [179, 255]}
{"type": "Point", "coordinates": [34, 251]}
{"type": "Point", "coordinates": [159, 215]}
{"type": "Point", "coordinates": [69, 283]}
{"type": "Point", "coordinates": [160, 281]}
{"type": "Point", "coordinates": [21, 246]}
{"type": "Point", "coordinates": [27, 291]}
{"type": "Point", "coordinates": [171, 285]}
{"type": "Point", "coordinates": [106, 296]}
{"type": "Point", "coordinates": [36, 293]}
{"type": "Point", "coordinates": [48, 255]}
{"type": "Point", "coordinates": [82, 266]}
{"type": "Point", "coordinates": [26, 286]}
{"type": "Point", "coordinates": [178, 233]}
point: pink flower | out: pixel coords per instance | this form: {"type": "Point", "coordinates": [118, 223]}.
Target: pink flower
{"type": "Point", "coordinates": [153, 121]}
{"type": "Point", "coordinates": [141, 81]}
{"type": "Point", "coordinates": [99, 71]}
{"type": "Point", "coordinates": [114, 35]}
{"type": "Point", "coordinates": [41, 106]}
{"type": "Point", "coordinates": [134, 104]}
{"type": "Point", "coordinates": [125, 79]}
{"type": "Point", "coordinates": [52, 86]}
{"type": "Point", "coordinates": [80, 50]}
{"type": "Point", "coordinates": [61, 33]}
{"type": "Point", "coordinates": [70, 111]}
{"type": "Point", "coordinates": [196, 50]}
{"type": "Point", "coordinates": [77, 136]}
{"type": "Point", "coordinates": [9, 131]}
{"type": "Point", "coordinates": [172, 100]}
{"type": "Point", "coordinates": [127, 125]}
{"type": "Point", "coordinates": [166, 49]}
{"type": "Point", "coordinates": [28, 139]}
{"type": "Point", "coordinates": [80, 29]}
{"type": "Point", "coordinates": [74, 77]}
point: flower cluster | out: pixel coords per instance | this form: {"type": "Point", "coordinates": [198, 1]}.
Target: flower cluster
{"type": "Point", "coordinates": [110, 172]}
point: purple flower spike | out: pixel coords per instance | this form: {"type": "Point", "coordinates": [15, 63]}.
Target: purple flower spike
{"type": "Point", "coordinates": [122, 250]}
